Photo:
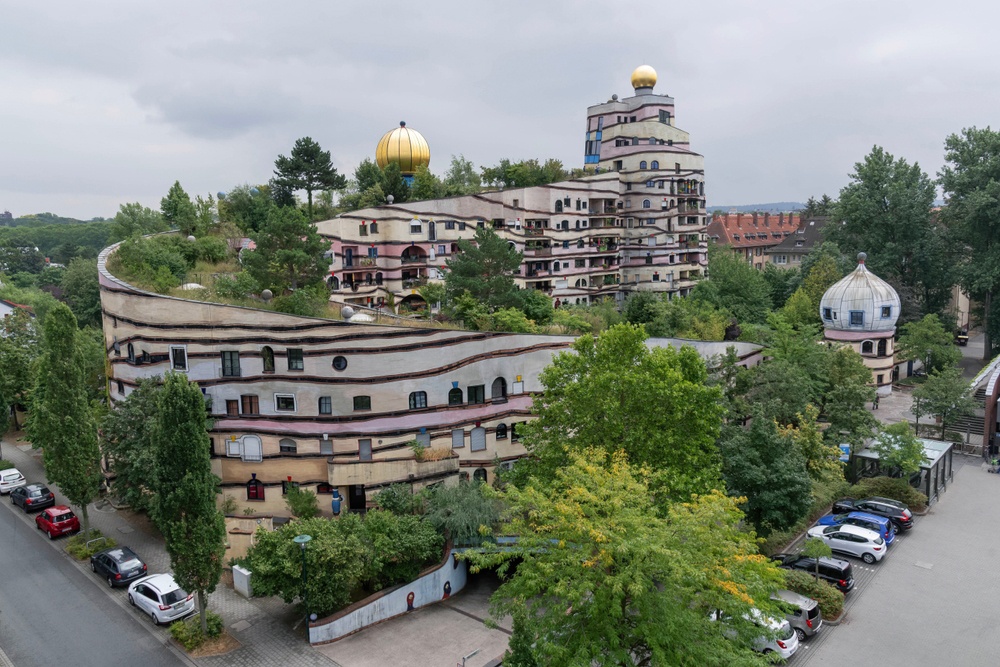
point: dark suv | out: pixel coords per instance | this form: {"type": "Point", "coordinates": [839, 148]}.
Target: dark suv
{"type": "Point", "coordinates": [119, 566]}
{"type": "Point", "coordinates": [893, 510]}
{"type": "Point", "coordinates": [835, 571]}
{"type": "Point", "coordinates": [32, 497]}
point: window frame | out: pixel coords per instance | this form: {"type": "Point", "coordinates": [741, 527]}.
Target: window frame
{"type": "Point", "coordinates": [288, 449]}
{"type": "Point", "coordinates": [452, 393]}
{"type": "Point", "coordinates": [278, 396]}
{"type": "Point", "coordinates": [173, 360]}
{"type": "Point", "coordinates": [258, 487]}
{"type": "Point", "coordinates": [231, 368]}
{"type": "Point", "coordinates": [356, 400]}
{"type": "Point", "coordinates": [418, 400]}
{"type": "Point", "coordinates": [267, 358]}
{"type": "Point", "coordinates": [327, 403]}
{"type": "Point", "coordinates": [476, 391]}
{"type": "Point", "coordinates": [254, 402]}
{"type": "Point", "coordinates": [856, 318]}
{"type": "Point", "coordinates": [296, 356]}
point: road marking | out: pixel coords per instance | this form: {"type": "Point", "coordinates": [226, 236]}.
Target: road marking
{"type": "Point", "coordinates": [4, 660]}
{"type": "Point", "coordinates": [926, 566]}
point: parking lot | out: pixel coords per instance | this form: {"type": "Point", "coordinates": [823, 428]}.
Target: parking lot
{"type": "Point", "coordinates": [934, 599]}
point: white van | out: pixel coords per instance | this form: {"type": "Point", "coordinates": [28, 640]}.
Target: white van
{"type": "Point", "coordinates": [10, 479]}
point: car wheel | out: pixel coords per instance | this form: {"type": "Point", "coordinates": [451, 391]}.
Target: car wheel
{"type": "Point", "coordinates": [93, 567]}
{"type": "Point", "coordinates": [801, 633]}
{"type": "Point", "coordinates": [868, 558]}
{"type": "Point", "coordinates": [152, 615]}
{"type": "Point", "coordinates": [52, 535]}
{"type": "Point", "coordinates": [131, 600]}
{"type": "Point", "coordinates": [111, 582]}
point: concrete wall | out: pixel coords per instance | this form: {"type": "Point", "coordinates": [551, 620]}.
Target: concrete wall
{"type": "Point", "coordinates": [240, 533]}
{"type": "Point", "coordinates": [433, 585]}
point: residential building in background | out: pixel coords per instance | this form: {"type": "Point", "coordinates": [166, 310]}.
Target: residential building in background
{"type": "Point", "coordinates": [751, 235]}
{"type": "Point", "coordinates": [792, 249]}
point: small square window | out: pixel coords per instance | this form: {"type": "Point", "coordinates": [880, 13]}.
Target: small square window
{"type": "Point", "coordinates": [231, 364]}
{"type": "Point", "coordinates": [286, 485]}
{"type": "Point", "coordinates": [233, 408]}
{"type": "Point", "coordinates": [284, 402]}
{"type": "Point", "coordinates": [827, 314]}
{"type": "Point", "coordinates": [362, 402]}
{"type": "Point", "coordinates": [295, 360]}
{"type": "Point", "coordinates": [886, 311]}
{"type": "Point", "coordinates": [857, 318]}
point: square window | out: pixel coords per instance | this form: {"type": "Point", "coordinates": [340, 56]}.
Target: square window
{"type": "Point", "coordinates": [249, 405]}
{"type": "Point", "coordinates": [362, 402]}
{"type": "Point", "coordinates": [286, 485]}
{"type": "Point", "coordinates": [284, 402]}
{"type": "Point", "coordinates": [230, 364]}
{"type": "Point", "coordinates": [178, 358]}
{"type": "Point", "coordinates": [886, 311]}
{"type": "Point", "coordinates": [325, 405]}
{"type": "Point", "coordinates": [326, 447]}
{"type": "Point", "coordinates": [233, 408]}
{"type": "Point", "coordinates": [827, 314]}
{"type": "Point", "coordinates": [857, 318]}
{"type": "Point", "coordinates": [295, 361]}
{"type": "Point", "coordinates": [477, 394]}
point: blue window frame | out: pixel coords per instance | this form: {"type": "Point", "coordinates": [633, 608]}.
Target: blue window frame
{"type": "Point", "coordinates": [886, 312]}
{"type": "Point", "coordinates": [857, 318]}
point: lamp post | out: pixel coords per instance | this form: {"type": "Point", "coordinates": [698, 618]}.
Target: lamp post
{"type": "Point", "coordinates": [302, 541]}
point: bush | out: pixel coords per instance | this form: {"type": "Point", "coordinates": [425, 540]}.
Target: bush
{"type": "Point", "coordinates": [305, 301]}
{"type": "Point", "coordinates": [823, 495]}
{"type": "Point", "coordinates": [398, 499]}
{"type": "Point", "coordinates": [188, 632]}
{"type": "Point", "coordinates": [236, 287]}
{"type": "Point", "coordinates": [4, 464]}
{"type": "Point", "coordinates": [301, 503]}
{"type": "Point", "coordinates": [76, 546]}
{"type": "Point", "coordinates": [892, 488]}
{"type": "Point", "coordinates": [831, 601]}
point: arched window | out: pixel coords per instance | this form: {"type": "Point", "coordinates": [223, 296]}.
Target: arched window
{"type": "Point", "coordinates": [645, 203]}
{"type": "Point", "coordinates": [287, 446]}
{"type": "Point", "coordinates": [479, 475]}
{"type": "Point", "coordinates": [579, 244]}
{"type": "Point", "coordinates": [333, 282]}
{"type": "Point", "coordinates": [559, 206]}
{"type": "Point", "coordinates": [255, 489]}
{"type": "Point", "coordinates": [455, 397]}
{"type": "Point", "coordinates": [501, 431]}
{"type": "Point", "coordinates": [267, 356]}
{"type": "Point", "coordinates": [418, 399]}
{"type": "Point", "coordinates": [642, 165]}
{"type": "Point", "coordinates": [499, 389]}
{"type": "Point", "coordinates": [378, 278]}
{"type": "Point", "coordinates": [373, 227]}
{"type": "Point", "coordinates": [131, 352]}
{"type": "Point", "coordinates": [656, 164]}
{"type": "Point", "coordinates": [867, 347]}
{"type": "Point", "coordinates": [882, 347]}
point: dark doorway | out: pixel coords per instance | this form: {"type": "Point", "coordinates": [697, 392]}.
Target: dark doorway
{"type": "Point", "coordinates": [356, 501]}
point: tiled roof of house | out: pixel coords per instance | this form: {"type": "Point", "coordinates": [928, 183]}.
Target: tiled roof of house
{"type": "Point", "coordinates": [752, 230]}
{"type": "Point", "coordinates": [802, 241]}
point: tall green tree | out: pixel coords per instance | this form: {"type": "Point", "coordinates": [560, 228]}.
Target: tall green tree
{"type": "Point", "coordinates": [899, 451]}
{"type": "Point", "coordinates": [823, 273]}
{"type": "Point", "coordinates": [734, 286]}
{"type": "Point", "coordinates": [247, 207]}
{"type": "Point", "coordinates": [461, 177]}
{"type": "Point", "coordinates": [289, 251]}
{"type": "Point", "coordinates": [886, 212]}
{"type": "Point", "coordinates": [818, 207]}
{"type": "Point", "coordinates": [426, 185]}
{"type": "Point", "coordinates": [822, 458]}
{"type": "Point", "coordinates": [928, 341]}
{"type": "Point", "coordinates": [971, 183]}
{"type": "Point", "coordinates": [848, 392]}
{"type": "Point", "coordinates": [614, 393]}
{"type": "Point", "coordinates": [126, 440]}
{"type": "Point", "coordinates": [82, 292]}
{"type": "Point", "coordinates": [18, 350]}
{"type": "Point", "coordinates": [184, 507]}
{"type": "Point", "coordinates": [308, 168]}
{"type": "Point", "coordinates": [484, 267]}
{"type": "Point", "coordinates": [765, 468]}
{"type": "Point", "coordinates": [178, 210]}
{"type": "Point", "coordinates": [524, 174]}
{"type": "Point", "coordinates": [60, 421]}
{"type": "Point", "coordinates": [600, 576]}
{"type": "Point", "coordinates": [134, 219]}
{"type": "Point", "coordinates": [783, 283]}
{"type": "Point", "coordinates": [393, 184]}
{"type": "Point", "coordinates": [945, 395]}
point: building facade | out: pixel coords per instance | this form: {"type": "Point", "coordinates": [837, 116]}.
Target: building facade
{"type": "Point", "coordinates": [751, 235]}
{"type": "Point", "coordinates": [790, 252]}
{"type": "Point", "coordinates": [638, 223]}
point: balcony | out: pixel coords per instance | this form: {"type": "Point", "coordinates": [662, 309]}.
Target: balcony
{"type": "Point", "coordinates": [413, 283]}
{"type": "Point", "coordinates": [387, 471]}
{"type": "Point", "coordinates": [538, 252]}
{"type": "Point", "coordinates": [413, 258]}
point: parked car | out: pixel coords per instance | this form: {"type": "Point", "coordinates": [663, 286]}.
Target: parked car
{"type": "Point", "coordinates": [805, 617]}
{"type": "Point", "coordinates": [10, 479]}
{"type": "Point", "coordinates": [895, 511]}
{"type": "Point", "coordinates": [884, 527]}
{"type": "Point", "coordinates": [56, 521]}
{"type": "Point", "coordinates": [833, 570]}
{"type": "Point", "coordinates": [159, 596]}
{"type": "Point", "coordinates": [785, 640]}
{"type": "Point", "coordinates": [861, 542]}
{"type": "Point", "coordinates": [119, 565]}
{"type": "Point", "coordinates": [32, 497]}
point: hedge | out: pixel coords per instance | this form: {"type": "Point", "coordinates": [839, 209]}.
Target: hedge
{"type": "Point", "coordinates": [188, 632]}
{"type": "Point", "coordinates": [892, 488]}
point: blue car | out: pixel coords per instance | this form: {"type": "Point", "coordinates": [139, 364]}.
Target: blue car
{"type": "Point", "coordinates": [879, 524]}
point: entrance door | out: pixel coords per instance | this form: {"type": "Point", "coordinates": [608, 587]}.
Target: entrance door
{"type": "Point", "coordinates": [356, 498]}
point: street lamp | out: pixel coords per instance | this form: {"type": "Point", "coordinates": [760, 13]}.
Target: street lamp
{"type": "Point", "coordinates": [302, 541]}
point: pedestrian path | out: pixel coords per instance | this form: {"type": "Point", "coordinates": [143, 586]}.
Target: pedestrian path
{"type": "Point", "coordinates": [263, 626]}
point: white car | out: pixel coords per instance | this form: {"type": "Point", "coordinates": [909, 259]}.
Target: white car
{"type": "Point", "coordinates": [10, 479]}
{"type": "Point", "coordinates": [854, 540]}
{"type": "Point", "coordinates": [159, 596]}
{"type": "Point", "coordinates": [785, 642]}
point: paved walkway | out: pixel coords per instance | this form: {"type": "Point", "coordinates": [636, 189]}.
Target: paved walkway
{"type": "Point", "coordinates": [263, 626]}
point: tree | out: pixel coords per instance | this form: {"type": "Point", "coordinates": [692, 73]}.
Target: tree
{"type": "Point", "coordinates": [301, 502]}
{"type": "Point", "coordinates": [536, 306]}
{"type": "Point", "coordinates": [899, 451]}
{"type": "Point", "coordinates": [178, 210]}
{"type": "Point", "coordinates": [18, 350]}
{"type": "Point", "coordinates": [461, 178]}
{"type": "Point", "coordinates": [800, 309]}
{"type": "Point", "coordinates": [614, 393]}
{"type": "Point", "coordinates": [82, 292]}
{"type": "Point", "coordinates": [398, 546]}
{"type": "Point", "coordinates": [759, 464]}
{"type": "Point", "coordinates": [16, 258]}
{"type": "Point", "coordinates": [248, 207]}
{"type": "Point", "coordinates": [886, 212]}
{"type": "Point", "coordinates": [816, 548]}
{"type": "Point", "coordinates": [289, 251]}
{"type": "Point", "coordinates": [969, 181]}
{"type": "Point", "coordinates": [815, 208]}
{"type": "Point", "coordinates": [204, 214]}
{"type": "Point", "coordinates": [734, 286]}
{"type": "Point", "coordinates": [184, 508]}
{"type": "Point", "coordinates": [945, 395]}
{"type": "Point", "coordinates": [818, 279]}
{"type": "Point", "coordinates": [484, 267]}
{"type": "Point", "coordinates": [524, 174]}
{"type": "Point", "coordinates": [126, 436]}
{"type": "Point", "coordinates": [783, 283]}
{"type": "Point", "coordinates": [134, 219]}
{"type": "Point", "coordinates": [599, 576]}
{"type": "Point", "coordinates": [684, 317]}
{"type": "Point", "coordinates": [426, 185]}
{"type": "Point", "coordinates": [393, 184]}
{"type": "Point", "coordinates": [61, 422]}
{"type": "Point", "coordinates": [779, 390]}
{"type": "Point", "coordinates": [929, 342]}
{"type": "Point", "coordinates": [641, 307]}
{"type": "Point", "coordinates": [847, 394]}
{"type": "Point", "coordinates": [822, 458]}
{"type": "Point", "coordinates": [308, 168]}
{"type": "Point", "coordinates": [465, 513]}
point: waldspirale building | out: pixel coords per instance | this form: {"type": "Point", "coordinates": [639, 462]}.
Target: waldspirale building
{"type": "Point", "coordinates": [639, 223]}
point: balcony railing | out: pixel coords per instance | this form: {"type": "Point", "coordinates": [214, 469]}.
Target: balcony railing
{"type": "Point", "coordinates": [413, 259]}
{"type": "Point", "coordinates": [411, 283]}
{"type": "Point", "coordinates": [538, 252]}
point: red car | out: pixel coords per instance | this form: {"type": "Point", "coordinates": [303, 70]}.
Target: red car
{"type": "Point", "coordinates": [56, 521]}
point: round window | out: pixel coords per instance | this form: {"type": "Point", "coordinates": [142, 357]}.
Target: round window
{"type": "Point", "coordinates": [339, 363]}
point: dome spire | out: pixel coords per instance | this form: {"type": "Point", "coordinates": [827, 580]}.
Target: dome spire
{"type": "Point", "coordinates": [862, 256]}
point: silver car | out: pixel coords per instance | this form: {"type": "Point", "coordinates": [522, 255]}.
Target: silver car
{"type": "Point", "coordinates": [853, 540]}
{"type": "Point", "coordinates": [159, 596]}
{"type": "Point", "coordinates": [805, 617]}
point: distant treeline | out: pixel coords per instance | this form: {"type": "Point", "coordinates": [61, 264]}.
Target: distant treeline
{"type": "Point", "coordinates": [59, 242]}
{"type": "Point", "coordinates": [42, 219]}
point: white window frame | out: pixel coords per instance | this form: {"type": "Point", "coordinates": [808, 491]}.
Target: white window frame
{"type": "Point", "coordinates": [295, 405]}
{"type": "Point", "coordinates": [234, 447]}
{"type": "Point", "coordinates": [173, 366]}
{"type": "Point", "coordinates": [247, 453]}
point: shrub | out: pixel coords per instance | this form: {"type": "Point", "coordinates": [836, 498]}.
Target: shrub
{"type": "Point", "coordinates": [892, 488]}
{"type": "Point", "coordinates": [398, 499]}
{"type": "Point", "coordinates": [831, 601]}
{"type": "Point", "coordinates": [235, 287]}
{"type": "Point", "coordinates": [463, 512]}
{"type": "Point", "coordinates": [76, 546]}
{"type": "Point", "coordinates": [301, 503]}
{"type": "Point", "coordinates": [228, 505]}
{"type": "Point", "coordinates": [4, 464]}
{"type": "Point", "coordinates": [308, 302]}
{"type": "Point", "coordinates": [188, 632]}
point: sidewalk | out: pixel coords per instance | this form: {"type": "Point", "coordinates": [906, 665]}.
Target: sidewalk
{"type": "Point", "coordinates": [263, 626]}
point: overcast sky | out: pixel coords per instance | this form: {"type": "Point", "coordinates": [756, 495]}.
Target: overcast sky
{"type": "Point", "coordinates": [103, 103]}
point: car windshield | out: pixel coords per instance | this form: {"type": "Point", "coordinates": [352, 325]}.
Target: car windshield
{"type": "Point", "coordinates": [786, 632]}
{"type": "Point", "coordinates": [174, 596]}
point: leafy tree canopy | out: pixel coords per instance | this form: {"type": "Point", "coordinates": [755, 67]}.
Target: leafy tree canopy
{"type": "Point", "coordinates": [484, 267]}
{"type": "Point", "coordinates": [945, 395]}
{"type": "Point", "coordinates": [178, 210]}
{"type": "Point", "coordinates": [523, 174]}
{"type": "Point", "coordinates": [735, 286]}
{"type": "Point", "coordinates": [134, 219]}
{"type": "Point", "coordinates": [289, 251]}
{"type": "Point", "coordinates": [928, 341]}
{"type": "Point", "coordinates": [308, 168]}
{"type": "Point", "coordinates": [899, 451]}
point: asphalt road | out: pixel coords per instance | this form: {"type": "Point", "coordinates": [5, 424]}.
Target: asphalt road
{"type": "Point", "coordinates": [51, 613]}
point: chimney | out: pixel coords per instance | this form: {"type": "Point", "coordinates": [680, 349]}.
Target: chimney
{"type": "Point", "coordinates": [739, 220]}
{"type": "Point", "coordinates": [781, 219]}
{"type": "Point", "coordinates": [755, 220]}
{"type": "Point", "coordinates": [767, 219]}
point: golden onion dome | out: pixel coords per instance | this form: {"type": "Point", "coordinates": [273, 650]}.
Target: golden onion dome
{"type": "Point", "coordinates": [405, 147]}
{"type": "Point", "coordinates": [644, 76]}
